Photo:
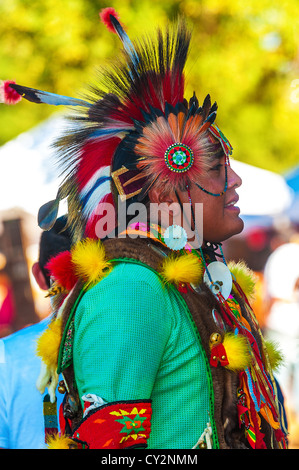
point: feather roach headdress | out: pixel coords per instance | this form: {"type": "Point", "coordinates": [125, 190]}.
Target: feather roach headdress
{"type": "Point", "coordinates": [135, 129]}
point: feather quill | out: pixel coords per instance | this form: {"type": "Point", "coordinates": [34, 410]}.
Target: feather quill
{"type": "Point", "coordinates": [39, 96]}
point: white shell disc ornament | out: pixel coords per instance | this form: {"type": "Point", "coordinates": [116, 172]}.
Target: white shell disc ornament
{"type": "Point", "coordinates": [175, 237]}
{"type": "Point", "coordinates": [222, 281]}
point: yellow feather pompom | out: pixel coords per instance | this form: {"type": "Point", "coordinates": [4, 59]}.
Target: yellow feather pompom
{"type": "Point", "coordinates": [275, 356]}
{"type": "Point", "coordinates": [49, 342]}
{"type": "Point", "coordinates": [90, 261]}
{"type": "Point", "coordinates": [56, 441]}
{"type": "Point", "coordinates": [237, 351]}
{"type": "Point", "coordinates": [245, 277]}
{"type": "Point", "coordinates": [186, 268]}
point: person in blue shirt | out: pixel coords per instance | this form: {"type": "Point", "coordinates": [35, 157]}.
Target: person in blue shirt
{"type": "Point", "coordinates": [25, 414]}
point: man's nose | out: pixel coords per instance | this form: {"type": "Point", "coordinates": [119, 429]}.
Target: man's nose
{"type": "Point", "coordinates": [233, 179]}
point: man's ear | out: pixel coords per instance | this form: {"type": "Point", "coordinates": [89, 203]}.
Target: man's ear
{"type": "Point", "coordinates": [157, 196]}
{"type": "Point", "coordinates": [39, 276]}
{"type": "Point", "coordinates": [167, 207]}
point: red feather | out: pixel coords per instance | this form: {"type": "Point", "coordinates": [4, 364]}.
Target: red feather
{"type": "Point", "coordinates": [92, 229]}
{"type": "Point", "coordinates": [105, 17]}
{"type": "Point", "coordinates": [7, 94]}
{"type": "Point", "coordinates": [62, 270]}
{"type": "Point", "coordinates": [94, 156]}
{"type": "Point", "coordinates": [173, 87]}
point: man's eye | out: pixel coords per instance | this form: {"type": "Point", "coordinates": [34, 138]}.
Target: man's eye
{"type": "Point", "coordinates": [217, 167]}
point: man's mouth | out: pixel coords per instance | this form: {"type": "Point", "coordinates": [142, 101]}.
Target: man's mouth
{"type": "Point", "coordinates": [232, 203]}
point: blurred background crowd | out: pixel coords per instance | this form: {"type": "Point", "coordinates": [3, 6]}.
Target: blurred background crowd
{"type": "Point", "coordinates": [246, 55]}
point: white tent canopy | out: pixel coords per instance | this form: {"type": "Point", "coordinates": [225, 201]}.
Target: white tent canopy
{"type": "Point", "coordinates": [28, 177]}
{"type": "Point", "coordinates": [262, 192]}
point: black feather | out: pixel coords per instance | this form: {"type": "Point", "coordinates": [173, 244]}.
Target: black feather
{"type": "Point", "coordinates": [29, 94]}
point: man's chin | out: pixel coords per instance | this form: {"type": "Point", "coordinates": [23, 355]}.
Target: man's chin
{"type": "Point", "coordinates": [235, 228]}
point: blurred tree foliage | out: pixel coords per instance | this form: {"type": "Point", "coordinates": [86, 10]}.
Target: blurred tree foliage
{"type": "Point", "coordinates": [244, 53]}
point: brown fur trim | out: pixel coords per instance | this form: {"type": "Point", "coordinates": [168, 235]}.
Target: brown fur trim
{"type": "Point", "coordinates": [70, 302]}
{"type": "Point", "coordinates": [72, 415]}
{"type": "Point", "coordinates": [140, 249]}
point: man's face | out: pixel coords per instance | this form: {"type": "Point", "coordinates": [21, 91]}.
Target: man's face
{"type": "Point", "coordinates": [220, 213]}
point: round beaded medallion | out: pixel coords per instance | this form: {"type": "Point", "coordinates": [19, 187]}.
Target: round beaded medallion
{"type": "Point", "coordinates": [179, 157]}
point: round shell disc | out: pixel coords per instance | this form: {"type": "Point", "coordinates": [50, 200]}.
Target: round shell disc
{"type": "Point", "coordinates": [221, 277]}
